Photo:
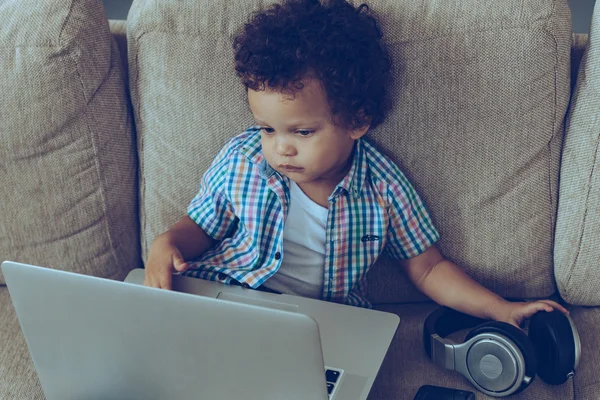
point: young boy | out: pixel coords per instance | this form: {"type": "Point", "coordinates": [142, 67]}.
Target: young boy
{"type": "Point", "coordinates": [301, 203]}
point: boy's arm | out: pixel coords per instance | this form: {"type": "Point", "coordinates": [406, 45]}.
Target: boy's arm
{"type": "Point", "coordinates": [168, 252]}
{"type": "Point", "coordinates": [188, 238]}
{"type": "Point", "coordinates": [448, 285]}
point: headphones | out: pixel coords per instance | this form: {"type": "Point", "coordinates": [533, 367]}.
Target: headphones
{"type": "Point", "coordinates": [498, 358]}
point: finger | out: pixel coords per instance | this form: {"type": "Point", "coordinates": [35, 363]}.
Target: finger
{"type": "Point", "coordinates": [148, 280]}
{"type": "Point", "coordinates": [517, 320]}
{"type": "Point", "coordinates": [532, 308]}
{"type": "Point", "coordinates": [180, 266]}
{"type": "Point", "coordinates": [179, 263]}
{"type": "Point", "coordinates": [542, 305]}
{"type": "Point", "coordinates": [517, 325]}
{"type": "Point", "coordinates": [556, 305]}
{"type": "Point", "coordinates": [165, 282]}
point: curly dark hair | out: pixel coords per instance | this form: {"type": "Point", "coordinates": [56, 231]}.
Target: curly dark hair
{"type": "Point", "coordinates": [330, 40]}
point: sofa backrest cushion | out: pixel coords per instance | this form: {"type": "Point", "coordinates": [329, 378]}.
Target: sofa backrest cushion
{"type": "Point", "coordinates": [481, 90]}
{"type": "Point", "coordinates": [577, 244]}
{"type": "Point", "coordinates": [67, 157]}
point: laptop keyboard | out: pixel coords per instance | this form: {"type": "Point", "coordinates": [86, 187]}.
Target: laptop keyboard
{"type": "Point", "coordinates": [333, 377]}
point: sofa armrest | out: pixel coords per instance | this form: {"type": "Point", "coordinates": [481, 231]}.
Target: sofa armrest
{"type": "Point", "coordinates": [577, 237]}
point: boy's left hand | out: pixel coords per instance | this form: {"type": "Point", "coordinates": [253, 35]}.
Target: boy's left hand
{"type": "Point", "coordinates": [515, 313]}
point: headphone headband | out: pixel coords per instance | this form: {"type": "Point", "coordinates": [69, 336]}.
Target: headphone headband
{"type": "Point", "coordinates": [445, 321]}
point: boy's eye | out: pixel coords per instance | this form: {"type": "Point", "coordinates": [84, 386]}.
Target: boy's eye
{"type": "Point", "coordinates": [305, 132]}
{"type": "Point", "coordinates": [267, 130]}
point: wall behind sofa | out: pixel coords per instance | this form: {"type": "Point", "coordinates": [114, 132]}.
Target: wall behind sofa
{"type": "Point", "coordinates": [581, 10]}
{"type": "Point", "coordinates": [582, 14]}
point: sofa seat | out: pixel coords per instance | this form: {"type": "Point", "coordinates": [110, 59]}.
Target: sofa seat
{"type": "Point", "coordinates": [406, 366]}
{"type": "Point", "coordinates": [18, 379]}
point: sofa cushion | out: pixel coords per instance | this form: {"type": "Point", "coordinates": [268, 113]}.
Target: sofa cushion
{"type": "Point", "coordinates": [480, 95]}
{"type": "Point", "coordinates": [67, 154]}
{"type": "Point", "coordinates": [406, 366]}
{"type": "Point", "coordinates": [18, 379]}
{"type": "Point", "coordinates": [577, 243]}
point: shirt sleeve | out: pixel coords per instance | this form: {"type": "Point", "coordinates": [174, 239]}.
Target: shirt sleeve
{"type": "Point", "coordinates": [410, 231]}
{"type": "Point", "coordinates": [211, 208]}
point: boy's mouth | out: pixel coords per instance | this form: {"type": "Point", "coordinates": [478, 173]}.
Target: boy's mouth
{"type": "Point", "coordinates": [290, 168]}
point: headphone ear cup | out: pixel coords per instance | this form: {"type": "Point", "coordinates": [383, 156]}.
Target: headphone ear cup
{"type": "Point", "coordinates": [518, 337]}
{"type": "Point", "coordinates": [552, 337]}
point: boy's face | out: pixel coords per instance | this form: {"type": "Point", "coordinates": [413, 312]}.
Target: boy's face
{"type": "Point", "coordinates": [298, 137]}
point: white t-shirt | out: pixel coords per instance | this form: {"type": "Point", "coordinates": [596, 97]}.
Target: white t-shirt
{"type": "Point", "coordinates": [301, 271]}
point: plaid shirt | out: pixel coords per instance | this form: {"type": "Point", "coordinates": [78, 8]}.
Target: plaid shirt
{"type": "Point", "coordinates": [243, 204]}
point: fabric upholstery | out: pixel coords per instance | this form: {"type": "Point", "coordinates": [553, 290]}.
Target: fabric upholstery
{"type": "Point", "coordinates": [587, 378]}
{"type": "Point", "coordinates": [407, 367]}
{"type": "Point", "coordinates": [67, 155]}
{"type": "Point", "coordinates": [18, 379]}
{"type": "Point", "coordinates": [577, 244]}
{"type": "Point", "coordinates": [480, 97]}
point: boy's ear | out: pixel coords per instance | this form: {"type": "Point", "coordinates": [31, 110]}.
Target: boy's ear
{"type": "Point", "coordinates": [357, 133]}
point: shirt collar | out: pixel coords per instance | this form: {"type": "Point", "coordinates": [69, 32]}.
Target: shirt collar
{"type": "Point", "coordinates": [353, 182]}
{"type": "Point", "coordinates": [251, 146]}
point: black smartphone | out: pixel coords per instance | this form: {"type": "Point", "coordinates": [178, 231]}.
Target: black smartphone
{"type": "Point", "coordinates": [429, 392]}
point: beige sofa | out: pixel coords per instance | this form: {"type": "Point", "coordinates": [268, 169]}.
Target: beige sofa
{"type": "Point", "coordinates": [102, 146]}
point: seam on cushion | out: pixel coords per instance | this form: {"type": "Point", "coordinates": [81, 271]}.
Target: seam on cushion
{"type": "Point", "coordinates": [140, 143]}
{"type": "Point", "coordinates": [32, 46]}
{"type": "Point", "coordinates": [421, 38]}
{"type": "Point", "coordinates": [88, 114]}
{"type": "Point", "coordinates": [64, 25]}
{"type": "Point", "coordinates": [553, 200]}
{"type": "Point", "coordinates": [96, 88]}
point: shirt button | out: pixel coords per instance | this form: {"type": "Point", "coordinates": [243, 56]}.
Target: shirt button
{"type": "Point", "coordinates": [245, 285]}
{"type": "Point", "coordinates": [277, 255]}
{"type": "Point", "coordinates": [222, 276]}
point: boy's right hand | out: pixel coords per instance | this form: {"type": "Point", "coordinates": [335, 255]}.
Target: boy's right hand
{"type": "Point", "coordinates": [163, 260]}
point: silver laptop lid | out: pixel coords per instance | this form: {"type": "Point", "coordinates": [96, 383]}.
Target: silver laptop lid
{"type": "Point", "coordinates": [93, 338]}
{"type": "Point", "coordinates": [352, 338]}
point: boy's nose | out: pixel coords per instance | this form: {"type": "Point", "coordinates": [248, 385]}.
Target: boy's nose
{"type": "Point", "coordinates": [285, 149]}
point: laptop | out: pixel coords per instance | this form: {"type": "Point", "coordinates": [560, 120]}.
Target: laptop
{"type": "Point", "coordinates": [94, 338]}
